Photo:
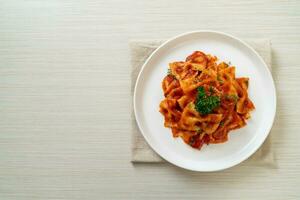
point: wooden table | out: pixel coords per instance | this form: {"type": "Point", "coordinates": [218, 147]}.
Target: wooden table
{"type": "Point", "coordinates": [64, 100]}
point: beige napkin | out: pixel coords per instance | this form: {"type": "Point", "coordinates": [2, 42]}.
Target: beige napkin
{"type": "Point", "coordinates": [141, 151]}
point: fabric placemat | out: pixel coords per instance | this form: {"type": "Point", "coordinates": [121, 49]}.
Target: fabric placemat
{"type": "Point", "coordinates": [140, 50]}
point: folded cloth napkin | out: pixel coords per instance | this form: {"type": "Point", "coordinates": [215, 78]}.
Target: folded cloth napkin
{"type": "Point", "coordinates": [141, 151]}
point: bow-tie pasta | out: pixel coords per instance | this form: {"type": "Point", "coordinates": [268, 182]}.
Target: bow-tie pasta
{"type": "Point", "coordinates": [204, 100]}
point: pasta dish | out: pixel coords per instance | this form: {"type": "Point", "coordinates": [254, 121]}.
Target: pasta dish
{"type": "Point", "coordinates": [204, 100]}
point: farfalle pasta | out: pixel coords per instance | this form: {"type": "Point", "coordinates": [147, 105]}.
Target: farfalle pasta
{"type": "Point", "coordinates": [204, 100]}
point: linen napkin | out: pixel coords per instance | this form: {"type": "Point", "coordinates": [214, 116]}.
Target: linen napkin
{"type": "Point", "coordinates": [141, 152]}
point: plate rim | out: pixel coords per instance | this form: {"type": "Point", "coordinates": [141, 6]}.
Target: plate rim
{"type": "Point", "coordinates": [208, 32]}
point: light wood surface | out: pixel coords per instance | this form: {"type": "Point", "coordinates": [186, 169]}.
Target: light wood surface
{"type": "Point", "coordinates": [65, 106]}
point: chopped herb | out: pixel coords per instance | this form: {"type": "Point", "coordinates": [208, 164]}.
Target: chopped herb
{"type": "Point", "coordinates": [170, 73]}
{"type": "Point", "coordinates": [201, 92]}
{"type": "Point", "coordinates": [206, 104]}
{"type": "Point", "coordinates": [219, 79]}
{"type": "Point", "coordinates": [247, 83]}
{"type": "Point", "coordinates": [232, 97]}
{"type": "Point", "coordinates": [198, 130]}
{"type": "Point", "coordinates": [211, 90]}
{"type": "Point", "coordinates": [222, 123]}
{"type": "Point", "coordinates": [235, 97]}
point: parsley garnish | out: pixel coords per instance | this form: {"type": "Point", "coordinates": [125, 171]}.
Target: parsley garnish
{"type": "Point", "coordinates": [169, 72]}
{"type": "Point", "coordinates": [219, 79]}
{"type": "Point", "coordinates": [206, 104]}
{"type": "Point", "coordinates": [211, 90]}
{"type": "Point", "coordinates": [222, 123]}
{"type": "Point", "coordinates": [232, 97]}
{"type": "Point", "coordinates": [198, 130]}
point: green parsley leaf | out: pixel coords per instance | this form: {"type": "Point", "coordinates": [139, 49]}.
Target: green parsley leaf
{"type": "Point", "coordinates": [211, 90]}
{"type": "Point", "coordinates": [169, 72]}
{"type": "Point", "coordinates": [232, 97]}
{"type": "Point", "coordinates": [198, 130]}
{"type": "Point", "coordinates": [201, 92]}
{"type": "Point", "coordinates": [219, 79]}
{"type": "Point", "coordinates": [206, 104]}
{"type": "Point", "coordinates": [222, 123]}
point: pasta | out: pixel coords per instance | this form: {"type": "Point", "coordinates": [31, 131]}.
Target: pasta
{"type": "Point", "coordinates": [204, 100]}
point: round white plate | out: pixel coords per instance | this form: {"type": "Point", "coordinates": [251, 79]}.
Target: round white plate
{"type": "Point", "coordinates": [243, 142]}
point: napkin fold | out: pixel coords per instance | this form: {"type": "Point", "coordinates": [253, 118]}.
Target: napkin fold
{"type": "Point", "coordinates": [140, 50]}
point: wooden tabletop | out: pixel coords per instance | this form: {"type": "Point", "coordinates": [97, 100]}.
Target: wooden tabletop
{"type": "Point", "coordinates": [65, 98]}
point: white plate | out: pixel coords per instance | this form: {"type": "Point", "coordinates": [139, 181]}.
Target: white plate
{"type": "Point", "coordinates": [243, 142]}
